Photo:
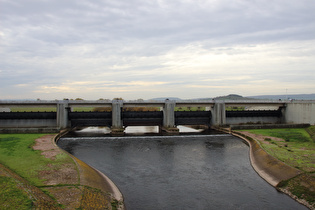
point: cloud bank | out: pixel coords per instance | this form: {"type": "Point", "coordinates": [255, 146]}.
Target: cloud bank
{"type": "Point", "coordinates": [145, 49]}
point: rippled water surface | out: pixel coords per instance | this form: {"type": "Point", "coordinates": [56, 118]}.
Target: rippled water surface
{"type": "Point", "coordinates": [182, 172]}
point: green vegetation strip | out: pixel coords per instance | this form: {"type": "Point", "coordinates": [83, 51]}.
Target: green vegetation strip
{"type": "Point", "coordinates": [22, 186]}
{"type": "Point", "coordinates": [295, 147]}
{"type": "Point", "coordinates": [12, 196]}
{"type": "Point", "coordinates": [33, 109]}
{"type": "Point", "coordinates": [48, 109]}
{"type": "Point", "coordinates": [16, 153]}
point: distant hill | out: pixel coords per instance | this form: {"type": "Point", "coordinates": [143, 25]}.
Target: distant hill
{"type": "Point", "coordinates": [228, 97]}
{"type": "Point", "coordinates": [239, 97]}
{"type": "Point", "coordinates": [285, 97]}
{"type": "Point", "coordinates": [263, 97]}
{"type": "Point", "coordinates": [164, 98]}
{"type": "Point", "coordinates": [234, 97]}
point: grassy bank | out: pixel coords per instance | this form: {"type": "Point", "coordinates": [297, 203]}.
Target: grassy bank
{"type": "Point", "coordinates": [17, 154]}
{"type": "Point", "coordinates": [24, 163]}
{"type": "Point", "coordinates": [35, 174]}
{"type": "Point", "coordinates": [11, 196]}
{"type": "Point", "coordinates": [292, 146]}
{"type": "Point", "coordinates": [295, 147]}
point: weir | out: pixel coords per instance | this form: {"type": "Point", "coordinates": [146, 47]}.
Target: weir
{"type": "Point", "coordinates": [168, 118]}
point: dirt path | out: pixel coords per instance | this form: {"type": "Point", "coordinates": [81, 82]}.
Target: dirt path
{"type": "Point", "coordinates": [41, 200]}
{"type": "Point", "coordinates": [62, 178]}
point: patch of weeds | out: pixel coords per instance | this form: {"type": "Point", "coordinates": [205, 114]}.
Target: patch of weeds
{"type": "Point", "coordinates": [311, 131]}
{"type": "Point", "coordinates": [94, 199]}
{"type": "Point", "coordinates": [114, 204]}
{"type": "Point", "coordinates": [283, 183]}
{"type": "Point", "coordinates": [268, 139]}
{"type": "Point", "coordinates": [302, 187]}
{"type": "Point", "coordinates": [11, 196]}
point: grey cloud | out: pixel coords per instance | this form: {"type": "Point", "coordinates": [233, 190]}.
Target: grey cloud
{"type": "Point", "coordinates": [129, 40]}
{"type": "Point", "coordinates": [175, 23]}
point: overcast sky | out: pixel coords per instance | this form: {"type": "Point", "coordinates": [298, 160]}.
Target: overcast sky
{"type": "Point", "coordinates": [53, 49]}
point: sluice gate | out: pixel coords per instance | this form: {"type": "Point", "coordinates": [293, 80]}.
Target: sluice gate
{"type": "Point", "coordinates": [86, 119]}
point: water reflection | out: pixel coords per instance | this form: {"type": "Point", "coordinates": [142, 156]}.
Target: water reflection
{"type": "Point", "coordinates": [130, 130]}
{"type": "Point", "coordinates": [141, 129]}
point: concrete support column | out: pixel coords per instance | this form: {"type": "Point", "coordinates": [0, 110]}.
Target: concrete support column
{"type": "Point", "coordinates": [62, 115]}
{"type": "Point", "coordinates": [117, 128]}
{"type": "Point", "coordinates": [299, 112]}
{"type": "Point", "coordinates": [218, 114]}
{"type": "Point", "coordinates": [283, 111]}
{"type": "Point", "coordinates": [169, 117]}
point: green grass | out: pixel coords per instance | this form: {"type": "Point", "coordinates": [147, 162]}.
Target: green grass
{"type": "Point", "coordinates": [82, 109]}
{"type": "Point", "coordinates": [189, 108]}
{"type": "Point", "coordinates": [297, 147]}
{"type": "Point", "coordinates": [48, 109]}
{"type": "Point", "coordinates": [311, 130]}
{"type": "Point", "coordinates": [289, 135]}
{"type": "Point", "coordinates": [11, 196]}
{"type": "Point", "coordinates": [33, 109]}
{"type": "Point", "coordinates": [16, 153]}
{"type": "Point", "coordinates": [234, 108]}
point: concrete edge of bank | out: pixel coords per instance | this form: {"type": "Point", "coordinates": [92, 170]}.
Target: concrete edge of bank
{"type": "Point", "coordinates": [269, 168]}
{"type": "Point", "coordinates": [92, 177]}
{"type": "Point", "coordinates": [272, 170]}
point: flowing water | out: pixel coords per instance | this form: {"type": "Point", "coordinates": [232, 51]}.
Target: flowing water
{"type": "Point", "coordinates": [180, 172]}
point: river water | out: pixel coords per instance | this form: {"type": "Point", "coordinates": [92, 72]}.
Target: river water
{"type": "Point", "coordinates": [180, 172]}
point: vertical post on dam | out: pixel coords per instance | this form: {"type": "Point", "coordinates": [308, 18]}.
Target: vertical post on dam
{"type": "Point", "coordinates": [218, 114]}
{"type": "Point", "coordinates": [62, 115]}
{"type": "Point", "coordinates": [169, 117]}
{"type": "Point", "coordinates": [117, 128]}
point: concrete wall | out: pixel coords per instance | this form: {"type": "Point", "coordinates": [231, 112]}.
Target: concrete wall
{"type": "Point", "coordinates": [28, 123]}
{"type": "Point", "coordinates": [300, 112]}
{"type": "Point", "coordinates": [244, 120]}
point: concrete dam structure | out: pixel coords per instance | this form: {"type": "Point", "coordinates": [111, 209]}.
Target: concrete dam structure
{"type": "Point", "coordinates": [214, 113]}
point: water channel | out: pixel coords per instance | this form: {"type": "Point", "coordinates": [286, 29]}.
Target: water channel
{"type": "Point", "coordinates": [192, 171]}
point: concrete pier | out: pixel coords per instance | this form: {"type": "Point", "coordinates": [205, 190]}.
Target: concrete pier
{"type": "Point", "coordinates": [218, 114]}
{"type": "Point", "coordinates": [117, 128]}
{"type": "Point", "coordinates": [169, 117]}
{"type": "Point", "coordinates": [62, 115]}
